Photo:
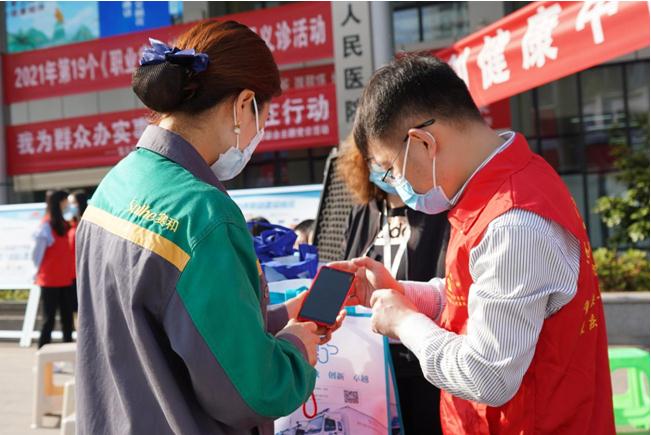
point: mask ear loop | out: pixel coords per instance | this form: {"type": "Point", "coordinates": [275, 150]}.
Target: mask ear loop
{"type": "Point", "coordinates": [433, 160]}
{"type": "Point", "coordinates": [257, 122]}
{"type": "Point", "coordinates": [236, 129]}
{"type": "Point", "coordinates": [237, 124]}
{"type": "Point", "coordinates": [404, 163]}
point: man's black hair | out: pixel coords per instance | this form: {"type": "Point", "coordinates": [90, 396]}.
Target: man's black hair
{"type": "Point", "coordinates": [411, 89]}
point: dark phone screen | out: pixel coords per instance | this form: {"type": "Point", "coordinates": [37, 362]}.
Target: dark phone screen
{"type": "Point", "coordinates": [327, 295]}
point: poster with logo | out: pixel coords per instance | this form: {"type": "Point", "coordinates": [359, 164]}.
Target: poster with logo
{"type": "Point", "coordinates": [17, 225]}
{"type": "Point", "coordinates": [351, 389]}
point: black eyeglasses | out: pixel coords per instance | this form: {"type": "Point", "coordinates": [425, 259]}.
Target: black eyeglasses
{"type": "Point", "coordinates": [388, 176]}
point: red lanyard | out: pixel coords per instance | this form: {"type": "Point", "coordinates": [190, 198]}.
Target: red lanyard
{"type": "Point", "coordinates": [314, 413]}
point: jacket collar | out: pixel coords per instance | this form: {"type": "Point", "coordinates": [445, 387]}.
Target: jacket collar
{"type": "Point", "coordinates": [487, 181]}
{"type": "Point", "coordinates": [173, 147]}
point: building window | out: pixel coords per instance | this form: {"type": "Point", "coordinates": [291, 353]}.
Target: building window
{"type": "Point", "coordinates": [445, 21]}
{"type": "Point", "coordinates": [573, 123]}
{"type": "Point", "coordinates": [406, 24]}
{"type": "Point", "coordinates": [637, 97]}
{"type": "Point", "coordinates": [426, 22]}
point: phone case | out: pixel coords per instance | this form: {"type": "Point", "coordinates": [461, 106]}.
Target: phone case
{"type": "Point", "coordinates": [319, 323]}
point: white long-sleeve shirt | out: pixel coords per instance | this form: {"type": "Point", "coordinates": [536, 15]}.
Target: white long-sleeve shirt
{"type": "Point", "coordinates": [524, 270]}
{"type": "Point", "coordinates": [43, 239]}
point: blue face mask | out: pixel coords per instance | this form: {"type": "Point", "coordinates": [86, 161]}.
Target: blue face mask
{"type": "Point", "coordinates": [69, 213]}
{"type": "Point", "coordinates": [375, 176]}
{"type": "Point", "coordinates": [433, 201]}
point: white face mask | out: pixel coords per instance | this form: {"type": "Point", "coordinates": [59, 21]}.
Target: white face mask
{"type": "Point", "coordinates": [232, 162]}
{"type": "Point", "coordinates": [434, 201]}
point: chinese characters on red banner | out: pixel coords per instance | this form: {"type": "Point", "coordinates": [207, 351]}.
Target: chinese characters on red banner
{"type": "Point", "coordinates": [545, 41]}
{"type": "Point", "coordinates": [301, 117]}
{"type": "Point", "coordinates": [307, 77]}
{"type": "Point", "coordinates": [65, 70]}
{"type": "Point", "coordinates": [299, 33]}
{"type": "Point", "coordinates": [98, 140]}
{"type": "Point", "coordinates": [304, 116]}
{"type": "Point", "coordinates": [295, 33]}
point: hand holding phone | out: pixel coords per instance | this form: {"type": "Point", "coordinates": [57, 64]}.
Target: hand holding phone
{"type": "Point", "coordinates": [307, 333]}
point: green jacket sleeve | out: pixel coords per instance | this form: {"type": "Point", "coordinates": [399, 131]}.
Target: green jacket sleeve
{"type": "Point", "coordinates": [219, 289]}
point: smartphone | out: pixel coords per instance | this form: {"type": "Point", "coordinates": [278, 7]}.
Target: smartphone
{"type": "Point", "coordinates": [326, 296]}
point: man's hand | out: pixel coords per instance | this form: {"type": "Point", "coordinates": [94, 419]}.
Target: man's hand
{"type": "Point", "coordinates": [370, 275]}
{"type": "Point", "coordinates": [308, 334]}
{"type": "Point", "coordinates": [390, 309]}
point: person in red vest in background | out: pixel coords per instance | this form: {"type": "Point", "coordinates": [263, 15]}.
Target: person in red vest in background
{"type": "Point", "coordinates": [55, 261]}
{"type": "Point", "coordinates": [514, 335]}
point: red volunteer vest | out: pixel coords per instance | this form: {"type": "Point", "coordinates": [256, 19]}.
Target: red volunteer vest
{"type": "Point", "coordinates": [567, 388]}
{"type": "Point", "coordinates": [57, 267]}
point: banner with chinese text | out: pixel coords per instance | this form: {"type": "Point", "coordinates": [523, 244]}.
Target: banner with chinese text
{"type": "Point", "coordinates": [300, 118]}
{"type": "Point", "coordinates": [295, 33]}
{"type": "Point", "coordinates": [545, 41]}
{"type": "Point", "coordinates": [73, 143]}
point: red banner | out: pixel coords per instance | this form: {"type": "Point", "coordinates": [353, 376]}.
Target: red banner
{"type": "Point", "coordinates": [298, 119]}
{"type": "Point", "coordinates": [74, 143]}
{"type": "Point", "coordinates": [307, 77]}
{"type": "Point", "coordinates": [302, 119]}
{"type": "Point", "coordinates": [498, 114]}
{"type": "Point", "coordinates": [545, 41]}
{"type": "Point", "coordinates": [295, 33]}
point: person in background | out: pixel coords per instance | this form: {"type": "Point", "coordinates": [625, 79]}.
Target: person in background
{"type": "Point", "coordinates": [258, 225]}
{"type": "Point", "coordinates": [304, 233]}
{"type": "Point", "coordinates": [412, 246]}
{"type": "Point", "coordinates": [54, 260]}
{"type": "Point", "coordinates": [77, 201]}
{"type": "Point", "coordinates": [176, 332]}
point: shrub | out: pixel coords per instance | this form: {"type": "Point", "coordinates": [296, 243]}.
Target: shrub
{"type": "Point", "coordinates": [625, 271]}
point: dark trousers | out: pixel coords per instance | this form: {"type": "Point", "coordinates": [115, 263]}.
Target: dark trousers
{"type": "Point", "coordinates": [419, 400]}
{"type": "Point", "coordinates": [53, 299]}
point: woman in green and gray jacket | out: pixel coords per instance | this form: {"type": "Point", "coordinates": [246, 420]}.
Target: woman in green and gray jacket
{"type": "Point", "coordinates": [175, 335]}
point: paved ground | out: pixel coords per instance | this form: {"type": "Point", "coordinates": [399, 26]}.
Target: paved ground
{"type": "Point", "coordinates": [16, 380]}
{"type": "Point", "coordinates": [16, 391]}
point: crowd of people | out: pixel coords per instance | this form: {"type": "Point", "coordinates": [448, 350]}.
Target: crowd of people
{"type": "Point", "coordinates": [467, 247]}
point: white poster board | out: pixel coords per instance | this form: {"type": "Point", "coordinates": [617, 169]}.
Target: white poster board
{"type": "Point", "coordinates": [17, 226]}
{"type": "Point", "coordinates": [285, 206]}
{"type": "Point", "coordinates": [351, 387]}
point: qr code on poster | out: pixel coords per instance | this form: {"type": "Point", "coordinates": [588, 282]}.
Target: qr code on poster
{"type": "Point", "coordinates": [351, 397]}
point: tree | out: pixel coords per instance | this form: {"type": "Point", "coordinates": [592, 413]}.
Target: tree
{"type": "Point", "coordinates": [627, 215]}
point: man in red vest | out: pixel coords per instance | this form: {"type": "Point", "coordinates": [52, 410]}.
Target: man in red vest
{"type": "Point", "coordinates": [515, 334]}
